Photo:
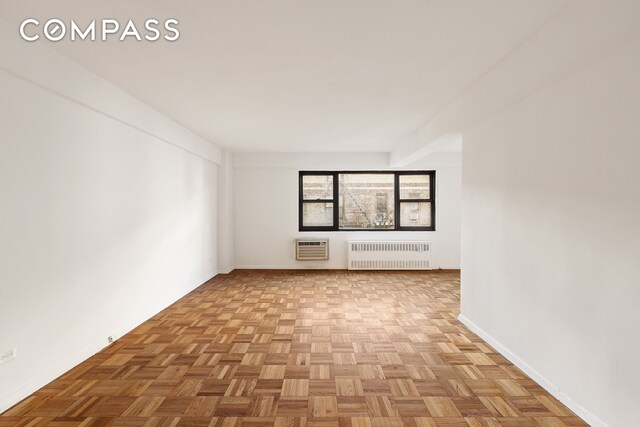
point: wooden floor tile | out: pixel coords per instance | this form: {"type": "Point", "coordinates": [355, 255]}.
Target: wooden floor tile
{"type": "Point", "coordinates": [323, 406]}
{"type": "Point", "coordinates": [295, 387]}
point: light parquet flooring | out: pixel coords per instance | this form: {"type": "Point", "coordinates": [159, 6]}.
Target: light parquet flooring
{"type": "Point", "coordinates": [332, 348]}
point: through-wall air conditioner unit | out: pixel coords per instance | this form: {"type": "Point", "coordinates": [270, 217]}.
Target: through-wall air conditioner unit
{"type": "Point", "coordinates": [375, 255]}
{"type": "Point", "coordinates": [312, 249]}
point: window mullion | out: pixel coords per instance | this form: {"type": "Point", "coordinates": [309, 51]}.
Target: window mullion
{"type": "Point", "coordinates": [414, 200]}
{"type": "Point", "coordinates": [396, 201]}
{"type": "Point", "coordinates": [336, 199]}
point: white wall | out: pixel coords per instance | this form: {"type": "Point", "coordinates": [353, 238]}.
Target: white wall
{"type": "Point", "coordinates": [551, 238]}
{"type": "Point", "coordinates": [266, 208]}
{"type": "Point", "coordinates": [108, 214]}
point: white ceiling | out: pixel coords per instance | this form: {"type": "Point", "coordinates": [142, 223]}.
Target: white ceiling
{"type": "Point", "coordinates": [301, 75]}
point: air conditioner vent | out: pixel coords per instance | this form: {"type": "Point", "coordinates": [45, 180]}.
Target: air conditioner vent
{"type": "Point", "coordinates": [312, 249]}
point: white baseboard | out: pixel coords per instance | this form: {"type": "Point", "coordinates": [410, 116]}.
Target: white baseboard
{"type": "Point", "coordinates": [303, 266]}
{"type": "Point", "coordinates": [554, 390]}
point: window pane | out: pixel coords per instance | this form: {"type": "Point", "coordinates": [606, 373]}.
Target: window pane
{"type": "Point", "coordinates": [414, 186]}
{"type": "Point", "coordinates": [415, 214]}
{"type": "Point", "coordinates": [316, 187]}
{"type": "Point", "coordinates": [366, 201]}
{"type": "Point", "coordinates": [317, 214]}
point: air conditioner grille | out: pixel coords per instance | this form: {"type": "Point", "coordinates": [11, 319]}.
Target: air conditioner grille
{"type": "Point", "coordinates": [312, 249]}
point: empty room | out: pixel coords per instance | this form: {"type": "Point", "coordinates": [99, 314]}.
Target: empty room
{"type": "Point", "coordinates": [314, 213]}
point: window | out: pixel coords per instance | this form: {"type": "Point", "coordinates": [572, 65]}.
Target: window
{"type": "Point", "coordinates": [367, 200]}
{"type": "Point", "coordinates": [316, 201]}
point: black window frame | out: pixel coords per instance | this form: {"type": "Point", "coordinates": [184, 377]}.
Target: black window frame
{"type": "Point", "coordinates": [397, 200]}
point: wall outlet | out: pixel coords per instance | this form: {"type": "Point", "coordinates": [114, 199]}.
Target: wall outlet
{"type": "Point", "coordinates": [8, 355]}
{"type": "Point", "coordinates": [111, 338]}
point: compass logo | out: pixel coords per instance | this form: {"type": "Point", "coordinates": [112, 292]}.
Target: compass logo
{"type": "Point", "coordinates": [56, 29]}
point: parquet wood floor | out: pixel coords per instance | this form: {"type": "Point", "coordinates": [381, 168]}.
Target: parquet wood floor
{"type": "Point", "coordinates": [333, 348]}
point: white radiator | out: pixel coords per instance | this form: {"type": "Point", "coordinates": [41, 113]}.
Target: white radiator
{"type": "Point", "coordinates": [372, 255]}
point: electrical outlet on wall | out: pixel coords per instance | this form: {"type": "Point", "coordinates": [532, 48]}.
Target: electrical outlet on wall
{"type": "Point", "coordinates": [111, 338]}
{"type": "Point", "coordinates": [8, 354]}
